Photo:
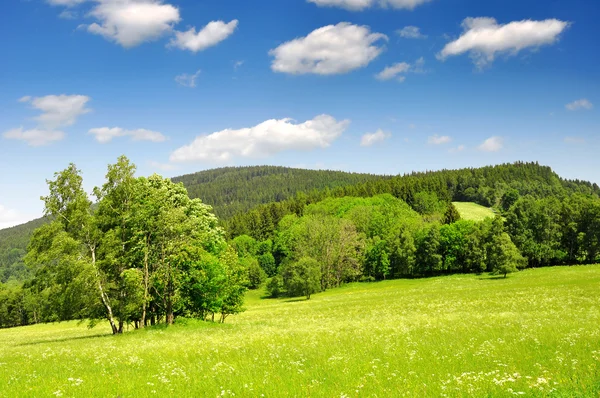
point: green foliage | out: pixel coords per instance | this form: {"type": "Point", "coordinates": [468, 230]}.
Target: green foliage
{"type": "Point", "coordinates": [256, 274]}
{"type": "Point", "coordinates": [267, 263]}
{"type": "Point", "coordinates": [275, 286]}
{"type": "Point", "coordinates": [451, 215]}
{"type": "Point", "coordinates": [302, 277]}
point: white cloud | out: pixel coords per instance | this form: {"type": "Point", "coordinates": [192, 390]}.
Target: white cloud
{"type": "Point", "coordinates": [483, 38]}
{"type": "Point", "coordinates": [58, 110]}
{"type": "Point", "coordinates": [459, 148]}
{"type": "Point", "coordinates": [574, 140]}
{"type": "Point", "coordinates": [393, 71]}
{"type": "Point", "coordinates": [373, 138]}
{"type": "Point", "coordinates": [332, 49]}
{"type": "Point", "coordinates": [492, 144]}
{"type": "Point", "coordinates": [162, 166]}
{"type": "Point", "coordinates": [212, 34]}
{"type": "Point", "coordinates": [65, 3]}
{"type": "Point", "coordinates": [267, 138]}
{"type": "Point", "coordinates": [580, 104]}
{"type": "Point", "coordinates": [68, 14]}
{"type": "Point", "coordinates": [10, 218]}
{"type": "Point", "coordinates": [106, 134]}
{"type": "Point", "coordinates": [438, 140]}
{"type": "Point", "coordinates": [187, 80]}
{"type": "Point", "coordinates": [359, 5]}
{"type": "Point", "coordinates": [411, 32]}
{"type": "Point", "coordinates": [238, 64]}
{"type": "Point", "coordinates": [397, 70]}
{"type": "Point", "coordinates": [132, 22]}
{"type": "Point", "coordinates": [35, 136]}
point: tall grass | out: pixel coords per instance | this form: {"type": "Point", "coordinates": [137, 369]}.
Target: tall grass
{"type": "Point", "coordinates": [534, 334]}
{"type": "Point", "coordinates": [473, 211]}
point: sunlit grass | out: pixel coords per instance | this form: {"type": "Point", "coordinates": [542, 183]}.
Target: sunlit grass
{"type": "Point", "coordinates": [473, 212]}
{"type": "Point", "coordinates": [536, 333]}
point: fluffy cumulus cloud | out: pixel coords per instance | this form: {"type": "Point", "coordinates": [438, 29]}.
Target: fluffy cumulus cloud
{"type": "Point", "coordinates": [492, 144]}
{"type": "Point", "coordinates": [438, 139]}
{"type": "Point", "coordinates": [265, 139]}
{"type": "Point", "coordinates": [212, 34]}
{"type": "Point", "coordinates": [580, 104]}
{"type": "Point", "coordinates": [484, 38]}
{"type": "Point", "coordinates": [359, 5]}
{"type": "Point", "coordinates": [132, 22]}
{"type": "Point", "coordinates": [411, 32]}
{"type": "Point", "coordinates": [187, 80]}
{"type": "Point", "coordinates": [391, 72]}
{"type": "Point", "coordinates": [106, 134]}
{"type": "Point", "coordinates": [35, 136]}
{"type": "Point", "coordinates": [370, 139]}
{"type": "Point", "coordinates": [398, 70]}
{"type": "Point", "coordinates": [332, 49]}
{"type": "Point", "coordinates": [57, 111]}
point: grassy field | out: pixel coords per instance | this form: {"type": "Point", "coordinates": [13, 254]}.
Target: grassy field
{"type": "Point", "coordinates": [473, 211]}
{"type": "Point", "coordinates": [534, 334]}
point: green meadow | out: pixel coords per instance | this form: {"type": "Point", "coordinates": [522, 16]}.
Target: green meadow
{"type": "Point", "coordinates": [473, 212]}
{"type": "Point", "coordinates": [533, 334]}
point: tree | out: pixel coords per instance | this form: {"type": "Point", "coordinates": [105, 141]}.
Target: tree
{"type": "Point", "coordinates": [302, 277]}
{"type": "Point", "coordinates": [452, 215]}
{"type": "Point", "coordinates": [504, 256]}
{"type": "Point", "coordinates": [256, 275]}
{"type": "Point", "coordinates": [428, 257]}
{"type": "Point", "coordinates": [275, 286]}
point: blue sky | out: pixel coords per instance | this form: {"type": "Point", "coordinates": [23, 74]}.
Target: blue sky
{"type": "Point", "coordinates": [379, 86]}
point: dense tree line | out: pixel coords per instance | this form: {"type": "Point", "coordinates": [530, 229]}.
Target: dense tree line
{"type": "Point", "coordinates": [145, 253]}
{"type": "Point", "coordinates": [367, 239]}
{"type": "Point", "coordinates": [486, 186]}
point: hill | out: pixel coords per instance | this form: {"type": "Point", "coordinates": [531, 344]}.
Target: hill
{"type": "Point", "coordinates": [533, 334]}
{"type": "Point", "coordinates": [234, 190]}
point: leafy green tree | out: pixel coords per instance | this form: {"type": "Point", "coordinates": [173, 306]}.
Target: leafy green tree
{"type": "Point", "coordinates": [402, 259]}
{"type": "Point", "coordinates": [275, 286]}
{"type": "Point", "coordinates": [504, 256]}
{"type": "Point", "coordinates": [451, 215]}
{"type": "Point", "coordinates": [302, 278]}
{"type": "Point", "coordinates": [267, 263]}
{"type": "Point", "coordinates": [428, 257]}
{"type": "Point", "coordinates": [256, 275]}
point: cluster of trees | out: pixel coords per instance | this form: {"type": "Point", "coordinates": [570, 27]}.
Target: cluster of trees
{"type": "Point", "coordinates": [367, 239]}
{"type": "Point", "coordinates": [144, 253]}
{"type": "Point", "coordinates": [552, 231]}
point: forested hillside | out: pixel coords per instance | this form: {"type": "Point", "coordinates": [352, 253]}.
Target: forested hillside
{"type": "Point", "coordinates": [234, 190]}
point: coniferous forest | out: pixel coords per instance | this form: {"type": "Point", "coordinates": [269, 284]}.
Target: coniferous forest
{"type": "Point", "coordinates": [146, 250]}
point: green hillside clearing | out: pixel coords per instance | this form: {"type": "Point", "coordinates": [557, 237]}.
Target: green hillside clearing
{"type": "Point", "coordinates": [473, 212]}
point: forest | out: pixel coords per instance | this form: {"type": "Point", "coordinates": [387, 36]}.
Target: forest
{"type": "Point", "coordinates": [148, 251]}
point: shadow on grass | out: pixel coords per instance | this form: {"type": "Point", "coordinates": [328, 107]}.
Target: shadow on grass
{"type": "Point", "coordinates": [65, 339]}
{"type": "Point", "coordinates": [295, 300]}
{"type": "Point", "coordinates": [492, 278]}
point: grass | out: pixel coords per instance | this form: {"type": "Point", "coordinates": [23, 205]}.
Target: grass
{"type": "Point", "coordinates": [534, 334]}
{"type": "Point", "coordinates": [473, 212]}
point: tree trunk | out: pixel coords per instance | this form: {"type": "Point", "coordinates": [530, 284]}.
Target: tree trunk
{"type": "Point", "coordinates": [146, 279]}
{"type": "Point", "coordinates": [103, 296]}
